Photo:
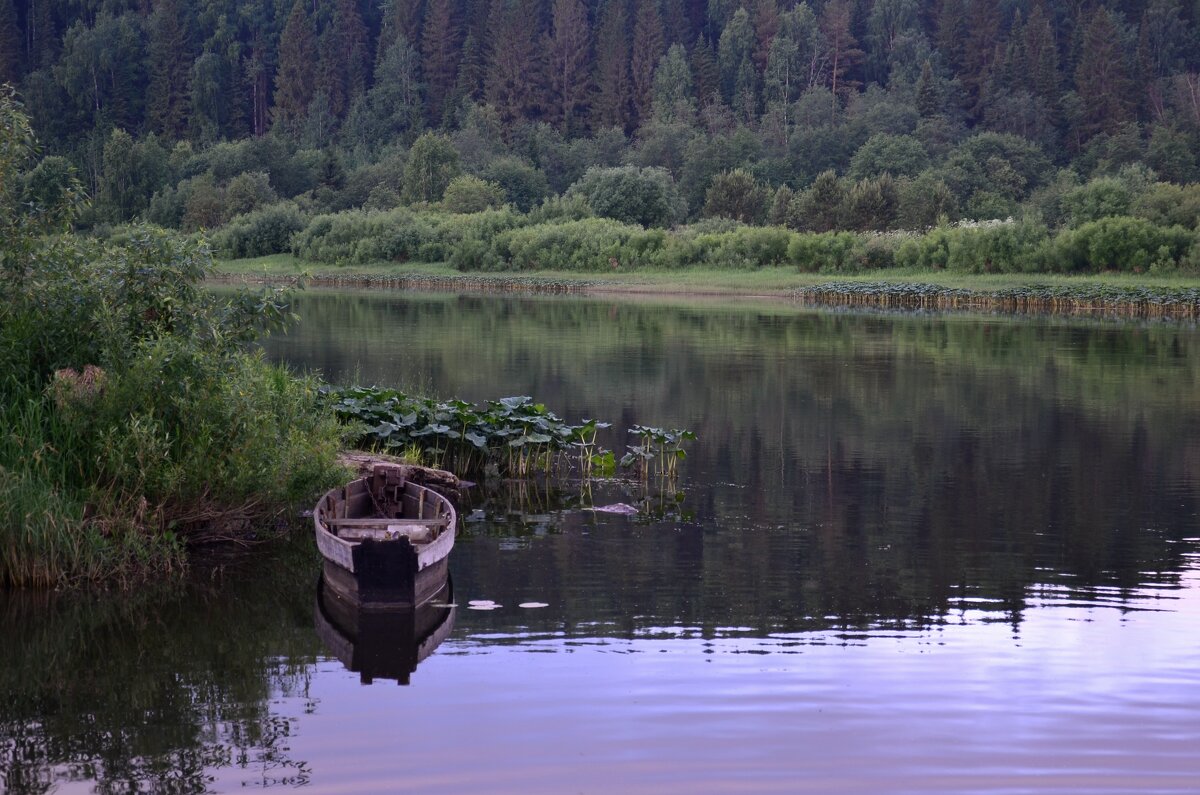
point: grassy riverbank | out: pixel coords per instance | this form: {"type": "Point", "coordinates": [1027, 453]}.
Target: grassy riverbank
{"type": "Point", "coordinates": [134, 422]}
{"type": "Point", "coordinates": [1177, 295]}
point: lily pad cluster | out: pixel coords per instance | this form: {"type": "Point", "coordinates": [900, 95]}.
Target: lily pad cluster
{"type": "Point", "coordinates": [511, 437]}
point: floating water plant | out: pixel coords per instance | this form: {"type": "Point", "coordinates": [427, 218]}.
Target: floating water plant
{"type": "Point", "coordinates": [657, 449]}
{"type": "Point", "coordinates": [511, 437]}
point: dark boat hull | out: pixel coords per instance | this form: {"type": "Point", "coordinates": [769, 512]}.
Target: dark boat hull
{"type": "Point", "coordinates": [382, 578]}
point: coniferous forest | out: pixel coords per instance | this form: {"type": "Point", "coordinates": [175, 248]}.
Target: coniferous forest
{"type": "Point", "coordinates": [576, 134]}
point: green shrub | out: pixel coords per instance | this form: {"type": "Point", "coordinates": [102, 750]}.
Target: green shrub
{"type": "Point", "coordinates": [589, 244]}
{"type": "Point", "coordinates": [396, 235]}
{"type": "Point", "coordinates": [828, 252]}
{"type": "Point", "coordinates": [738, 248]}
{"type": "Point", "coordinates": [470, 194]}
{"type": "Point", "coordinates": [248, 192]}
{"type": "Point", "coordinates": [141, 424]}
{"type": "Point", "coordinates": [1099, 198]}
{"type": "Point", "coordinates": [1124, 244]}
{"type": "Point", "coordinates": [523, 185]}
{"type": "Point", "coordinates": [986, 247]}
{"type": "Point", "coordinates": [259, 233]}
{"type": "Point", "coordinates": [737, 195]}
{"type": "Point", "coordinates": [1166, 204]}
{"type": "Point", "coordinates": [632, 195]}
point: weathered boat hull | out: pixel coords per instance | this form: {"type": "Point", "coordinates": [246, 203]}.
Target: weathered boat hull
{"type": "Point", "coordinates": [383, 578]}
{"type": "Point", "coordinates": [375, 561]}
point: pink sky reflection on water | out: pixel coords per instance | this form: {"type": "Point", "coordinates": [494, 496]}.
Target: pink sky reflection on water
{"type": "Point", "coordinates": [1084, 700]}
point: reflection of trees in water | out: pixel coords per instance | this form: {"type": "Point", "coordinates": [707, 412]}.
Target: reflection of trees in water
{"type": "Point", "coordinates": [151, 692]}
{"type": "Point", "coordinates": [852, 472]}
{"type": "Point", "coordinates": [886, 467]}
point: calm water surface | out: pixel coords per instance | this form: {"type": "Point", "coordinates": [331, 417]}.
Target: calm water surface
{"type": "Point", "coordinates": [912, 554]}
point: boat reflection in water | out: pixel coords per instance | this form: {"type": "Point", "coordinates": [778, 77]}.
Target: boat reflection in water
{"type": "Point", "coordinates": [382, 642]}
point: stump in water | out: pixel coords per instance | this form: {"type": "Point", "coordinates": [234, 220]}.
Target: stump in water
{"type": "Point", "coordinates": [441, 481]}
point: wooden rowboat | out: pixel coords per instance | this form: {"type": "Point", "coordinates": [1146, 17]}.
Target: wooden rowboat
{"type": "Point", "coordinates": [385, 540]}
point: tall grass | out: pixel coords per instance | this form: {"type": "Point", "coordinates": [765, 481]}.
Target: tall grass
{"type": "Point", "coordinates": [132, 420]}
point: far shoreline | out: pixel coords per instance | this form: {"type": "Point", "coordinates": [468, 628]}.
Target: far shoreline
{"type": "Point", "coordinates": [1128, 295]}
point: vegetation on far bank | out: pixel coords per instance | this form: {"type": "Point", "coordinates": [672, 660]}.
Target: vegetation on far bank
{"type": "Point", "coordinates": [828, 136]}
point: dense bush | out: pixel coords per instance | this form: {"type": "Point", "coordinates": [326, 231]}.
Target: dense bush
{"type": "Point", "coordinates": [989, 247]}
{"type": "Point", "coordinates": [1122, 243]}
{"type": "Point", "coordinates": [741, 247]}
{"type": "Point", "coordinates": [470, 194]}
{"type": "Point", "coordinates": [523, 185]}
{"type": "Point", "coordinates": [632, 195]}
{"type": "Point", "coordinates": [248, 192]}
{"type": "Point", "coordinates": [396, 235]}
{"type": "Point", "coordinates": [259, 233]}
{"type": "Point", "coordinates": [738, 195]}
{"type": "Point", "coordinates": [588, 244]}
{"type": "Point", "coordinates": [828, 252]}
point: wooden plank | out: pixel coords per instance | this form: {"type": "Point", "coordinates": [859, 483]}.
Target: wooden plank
{"type": "Point", "coordinates": [393, 532]}
{"type": "Point", "coordinates": [379, 521]}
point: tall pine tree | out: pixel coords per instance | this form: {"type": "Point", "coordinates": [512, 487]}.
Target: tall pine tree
{"type": "Point", "coordinates": [841, 49]}
{"type": "Point", "coordinates": [611, 104]}
{"type": "Point", "coordinates": [513, 67]}
{"type": "Point", "coordinates": [1102, 78]}
{"type": "Point", "coordinates": [401, 18]}
{"type": "Point", "coordinates": [344, 55]}
{"type": "Point", "coordinates": [168, 96]}
{"type": "Point", "coordinates": [296, 78]}
{"type": "Point", "coordinates": [569, 48]}
{"type": "Point", "coordinates": [440, 55]}
{"type": "Point", "coordinates": [10, 43]}
{"type": "Point", "coordinates": [649, 44]}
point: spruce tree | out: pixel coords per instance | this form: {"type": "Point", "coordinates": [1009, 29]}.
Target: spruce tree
{"type": "Point", "coordinates": [929, 103]}
{"type": "Point", "coordinates": [512, 60]}
{"type": "Point", "coordinates": [705, 71]}
{"type": "Point", "coordinates": [1041, 72]}
{"type": "Point", "coordinates": [401, 18]}
{"type": "Point", "coordinates": [677, 27]}
{"type": "Point", "coordinates": [10, 44]}
{"type": "Point", "coordinates": [611, 104]}
{"type": "Point", "coordinates": [569, 49]}
{"type": "Point", "coordinates": [295, 79]}
{"type": "Point", "coordinates": [168, 95]}
{"type": "Point", "coordinates": [951, 24]}
{"type": "Point", "coordinates": [649, 45]}
{"type": "Point", "coordinates": [1102, 78]}
{"type": "Point", "coordinates": [395, 99]}
{"type": "Point", "coordinates": [735, 48]}
{"type": "Point", "coordinates": [472, 69]}
{"type": "Point", "coordinates": [982, 49]}
{"type": "Point", "coordinates": [674, 90]}
{"type": "Point", "coordinates": [440, 52]}
{"type": "Point", "coordinates": [841, 49]}
{"type": "Point", "coordinates": [765, 17]}
{"type": "Point", "coordinates": [342, 71]}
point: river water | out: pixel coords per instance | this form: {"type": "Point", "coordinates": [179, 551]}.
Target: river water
{"type": "Point", "coordinates": [908, 554]}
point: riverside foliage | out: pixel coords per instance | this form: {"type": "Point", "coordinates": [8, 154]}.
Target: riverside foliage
{"type": "Point", "coordinates": [132, 420]}
{"type": "Point", "coordinates": [259, 118]}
